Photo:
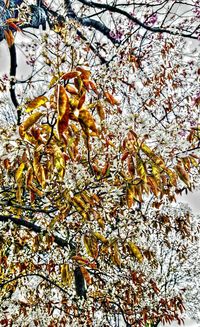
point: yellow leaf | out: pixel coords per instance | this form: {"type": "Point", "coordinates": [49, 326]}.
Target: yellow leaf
{"type": "Point", "coordinates": [9, 37]}
{"type": "Point", "coordinates": [54, 221]}
{"type": "Point", "coordinates": [86, 118]}
{"type": "Point", "coordinates": [54, 80]}
{"type": "Point", "coordinates": [36, 190]}
{"type": "Point", "coordinates": [138, 189]}
{"type": "Point", "coordinates": [115, 254]}
{"type": "Point", "coordinates": [28, 137]}
{"type": "Point", "coordinates": [156, 159]}
{"type": "Point", "coordinates": [41, 176]}
{"type": "Point", "coordinates": [100, 111]}
{"type": "Point", "coordinates": [130, 195]}
{"type": "Point", "coordinates": [19, 172]}
{"type": "Point", "coordinates": [63, 110]}
{"type": "Point", "coordinates": [131, 165]}
{"type": "Point", "coordinates": [59, 161]}
{"type": "Point", "coordinates": [36, 243]}
{"type": "Point", "coordinates": [147, 150]}
{"type": "Point", "coordinates": [66, 274]}
{"type": "Point", "coordinates": [186, 163]}
{"type": "Point", "coordinates": [183, 174]}
{"type": "Point", "coordinates": [156, 172]}
{"type": "Point", "coordinates": [29, 177]}
{"type": "Point", "coordinates": [71, 89]}
{"type": "Point", "coordinates": [141, 170]}
{"type": "Point", "coordinates": [86, 275]}
{"type": "Point", "coordinates": [19, 194]}
{"type": "Point", "coordinates": [172, 176]}
{"type": "Point", "coordinates": [11, 20]}
{"type": "Point", "coordinates": [36, 103]}
{"type": "Point", "coordinates": [91, 246]}
{"type": "Point", "coordinates": [86, 197]}
{"type": "Point", "coordinates": [93, 87]}
{"type": "Point", "coordinates": [63, 101]}
{"type": "Point", "coordinates": [98, 218]}
{"type": "Point", "coordinates": [77, 198]}
{"type": "Point", "coordinates": [135, 250]}
{"type": "Point", "coordinates": [29, 184]}
{"type": "Point", "coordinates": [87, 244]}
{"type": "Point", "coordinates": [70, 75]}
{"type": "Point", "coordinates": [80, 259]}
{"type": "Point", "coordinates": [39, 169]}
{"type": "Point", "coordinates": [110, 98]}
{"type": "Point", "coordinates": [101, 222]}
{"type": "Point", "coordinates": [85, 73]}
{"type": "Point", "coordinates": [29, 122]}
{"type": "Point", "coordinates": [74, 103]}
{"type": "Point", "coordinates": [100, 237]}
{"type": "Point", "coordinates": [81, 100]}
{"type": "Point", "coordinates": [151, 181]}
{"type": "Point", "coordinates": [85, 215]}
{"type": "Point", "coordinates": [193, 161]}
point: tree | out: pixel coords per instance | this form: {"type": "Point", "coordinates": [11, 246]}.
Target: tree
{"type": "Point", "coordinates": [104, 138]}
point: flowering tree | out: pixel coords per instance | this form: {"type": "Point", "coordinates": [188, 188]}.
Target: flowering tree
{"type": "Point", "coordinates": [104, 134]}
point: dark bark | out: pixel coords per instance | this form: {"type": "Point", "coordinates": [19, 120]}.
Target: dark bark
{"type": "Point", "coordinates": [80, 283]}
{"type": "Point", "coordinates": [31, 275]}
{"type": "Point", "coordinates": [13, 69]}
{"type": "Point", "coordinates": [35, 228]}
{"type": "Point", "coordinates": [115, 9]}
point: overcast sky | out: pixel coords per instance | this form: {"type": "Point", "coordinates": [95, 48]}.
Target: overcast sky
{"type": "Point", "coordinates": [188, 323]}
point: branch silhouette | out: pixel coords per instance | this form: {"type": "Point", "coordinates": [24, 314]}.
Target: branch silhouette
{"type": "Point", "coordinates": [35, 228]}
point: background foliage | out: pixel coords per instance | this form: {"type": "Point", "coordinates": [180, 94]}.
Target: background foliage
{"type": "Point", "coordinates": [103, 135]}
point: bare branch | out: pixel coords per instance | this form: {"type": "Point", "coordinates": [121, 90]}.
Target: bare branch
{"type": "Point", "coordinates": [13, 68]}
{"type": "Point", "coordinates": [35, 228]}
{"type": "Point", "coordinates": [115, 9]}
{"type": "Point", "coordinates": [31, 275]}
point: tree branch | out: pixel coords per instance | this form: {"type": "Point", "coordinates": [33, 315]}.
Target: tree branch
{"type": "Point", "coordinates": [114, 9]}
{"type": "Point", "coordinates": [99, 27]}
{"type": "Point", "coordinates": [35, 228]}
{"type": "Point", "coordinates": [30, 275]}
{"type": "Point", "coordinates": [13, 68]}
{"type": "Point", "coordinates": [94, 50]}
{"type": "Point", "coordinates": [26, 208]}
{"type": "Point", "coordinates": [71, 14]}
{"type": "Point", "coordinates": [90, 22]}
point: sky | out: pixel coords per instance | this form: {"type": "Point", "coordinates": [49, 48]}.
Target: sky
{"type": "Point", "coordinates": [193, 199]}
{"type": "Point", "coordinates": [188, 323]}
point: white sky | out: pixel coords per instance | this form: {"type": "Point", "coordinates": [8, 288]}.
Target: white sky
{"type": "Point", "coordinates": [193, 199]}
{"type": "Point", "coordinates": [188, 323]}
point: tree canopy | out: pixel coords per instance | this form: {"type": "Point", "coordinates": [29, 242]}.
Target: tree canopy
{"type": "Point", "coordinates": [97, 141]}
